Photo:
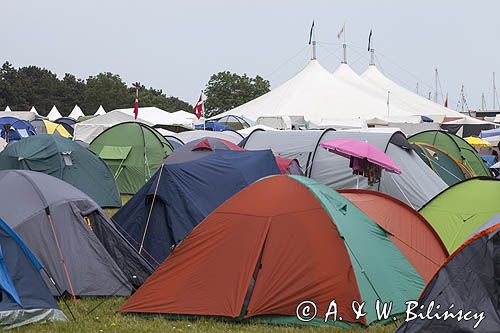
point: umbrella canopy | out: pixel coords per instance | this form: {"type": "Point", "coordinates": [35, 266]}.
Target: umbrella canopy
{"type": "Point", "coordinates": [477, 142]}
{"type": "Point", "coordinates": [361, 149]}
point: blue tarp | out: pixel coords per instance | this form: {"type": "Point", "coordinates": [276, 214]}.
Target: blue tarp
{"type": "Point", "coordinates": [489, 133]}
{"type": "Point", "coordinates": [18, 128]}
{"type": "Point", "coordinates": [212, 125]}
{"type": "Point", "coordinates": [188, 189]}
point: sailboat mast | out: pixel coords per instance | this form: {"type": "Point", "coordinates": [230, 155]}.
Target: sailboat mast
{"type": "Point", "coordinates": [494, 92]}
{"type": "Point", "coordinates": [435, 85]}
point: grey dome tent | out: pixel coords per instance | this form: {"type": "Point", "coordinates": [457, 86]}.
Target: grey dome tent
{"type": "Point", "coordinates": [66, 160]}
{"type": "Point", "coordinates": [416, 184]}
{"type": "Point", "coordinates": [70, 236]}
{"type": "Point", "coordinates": [24, 297]}
{"type": "Point", "coordinates": [467, 281]}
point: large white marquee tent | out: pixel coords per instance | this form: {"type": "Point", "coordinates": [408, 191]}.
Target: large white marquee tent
{"type": "Point", "coordinates": [322, 99]}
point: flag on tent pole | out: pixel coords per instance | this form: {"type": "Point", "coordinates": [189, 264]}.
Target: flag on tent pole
{"type": "Point", "coordinates": [446, 101]}
{"type": "Point", "coordinates": [198, 108]}
{"type": "Point", "coordinates": [136, 104]}
{"type": "Point", "coordinates": [341, 32]}
{"type": "Point", "coordinates": [369, 40]}
{"type": "Point", "coordinates": [311, 33]}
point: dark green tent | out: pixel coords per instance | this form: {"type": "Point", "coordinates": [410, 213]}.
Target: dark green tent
{"type": "Point", "coordinates": [66, 160]}
{"type": "Point", "coordinates": [454, 146]}
{"type": "Point", "coordinates": [446, 166]}
{"type": "Point", "coordinates": [133, 151]}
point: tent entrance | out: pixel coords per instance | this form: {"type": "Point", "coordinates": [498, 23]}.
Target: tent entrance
{"type": "Point", "coordinates": [117, 153]}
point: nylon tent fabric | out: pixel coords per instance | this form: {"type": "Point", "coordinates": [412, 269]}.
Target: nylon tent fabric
{"type": "Point", "coordinates": [286, 166]}
{"type": "Point", "coordinates": [16, 129]}
{"type": "Point", "coordinates": [416, 184]}
{"type": "Point", "coordinates": [67, 160]}
{"type": "Point", "coordinates": [488, 224]}
{"type": "Point", "coordinates": [462, 208]}
{"type": "Point", "coordinates": [87, 130]}
{"type": "Point", "coordinates": [186, 189]}
{"type": "Point", "coordinates": [406, 228]}
{"type": "Point", "coordinates": [133, 151]}
{"type": "Point", "coordinates": [271, 241]}
{"type": "Point", "coordinates": [446, 166]}
{"type": "Point", "coordinates": [68, 124]}
{"type": "Point", "coordinates": [468, 280]}
{"type": "Point", "coordinates": [43, 126]}
{"type": "Point", "coordinates": [231, 136]}
{"type": "Point", "coordinates": [456, 147]}
{"type": "Point", "coordinates": [25, 298]}
{"type": "Point", "coordinates": [70, 236]}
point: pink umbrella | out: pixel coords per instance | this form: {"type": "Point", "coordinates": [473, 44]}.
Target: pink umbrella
{"type": "Point", "coordinates": [362, 150]}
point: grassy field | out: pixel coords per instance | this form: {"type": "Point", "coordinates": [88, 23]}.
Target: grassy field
{"type": "Point", "coordinates": [106, 319]}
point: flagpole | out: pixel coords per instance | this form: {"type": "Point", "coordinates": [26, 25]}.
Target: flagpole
{"type": "Point", "coordinates": [136, 103]}
{"type": "Point", "coordinates": [203, 112]}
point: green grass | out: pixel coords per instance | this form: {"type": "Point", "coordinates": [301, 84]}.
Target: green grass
{"type": "Point", "coordinates": [106, 319]}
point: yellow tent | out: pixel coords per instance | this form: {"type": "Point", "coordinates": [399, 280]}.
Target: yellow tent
{"type": "Point", "coordinates": [53, 127]}
{"type": "Point", "coordinates": [477, 142]}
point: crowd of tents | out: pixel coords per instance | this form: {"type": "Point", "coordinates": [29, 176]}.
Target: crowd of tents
{"type": "Point", "coordinates": [242, 222]}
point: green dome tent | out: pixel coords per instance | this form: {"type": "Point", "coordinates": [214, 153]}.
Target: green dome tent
{"type": "Point", "coordinates": [446, 166]}
{"type": "Point", "coordinates": [133, 151]}
{"type": "Point", "coordinates": [455, 146]}
{"type": "Point", "coordinates": [67, 160]}
{"type": "Point", "coordinates": [462, 208]}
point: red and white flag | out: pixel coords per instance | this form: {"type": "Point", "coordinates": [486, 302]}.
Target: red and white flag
{"type": "Point", "coordinates": [136, 104]}
{"type": "Point", "coordinates": [198, 108]}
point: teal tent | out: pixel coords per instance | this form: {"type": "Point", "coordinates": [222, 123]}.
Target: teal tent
{"type": "Point", "coordinates": [66, 160]}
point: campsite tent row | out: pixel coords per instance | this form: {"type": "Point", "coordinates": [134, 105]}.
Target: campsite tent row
{"type": "Point", "coordinates": [416, 184]}
{"type": "Point", "coordinates": [269, 244]}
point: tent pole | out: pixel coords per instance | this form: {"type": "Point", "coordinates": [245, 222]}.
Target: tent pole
{"type": "Point", "coordinates": [372, 57]}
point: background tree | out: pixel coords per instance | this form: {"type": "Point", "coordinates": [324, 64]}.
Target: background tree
{"type": "Point", "coordinates": [29, 86]}
{"type": "Point", "coordinates": [109, 90]}
{"type": "Point", "coordinates": [225, 91]}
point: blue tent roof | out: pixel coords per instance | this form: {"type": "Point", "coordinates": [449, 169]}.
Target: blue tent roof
{"type": "Point", "coordinates": [18, 128]}
{"type": "Point", "coordinates": [27, 290]}
{"type": "Point", "coordinates": [184, 191]}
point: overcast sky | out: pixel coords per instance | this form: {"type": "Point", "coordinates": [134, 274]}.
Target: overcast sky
{"type": "Point", "coordinates": [177, 45]}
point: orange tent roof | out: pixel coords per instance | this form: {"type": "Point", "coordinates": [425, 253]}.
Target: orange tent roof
{"type": "Point", "coordinates": [408, 230]}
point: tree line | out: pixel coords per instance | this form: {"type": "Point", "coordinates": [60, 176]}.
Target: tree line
{"type": "Point", "coordinates": [28, 86]}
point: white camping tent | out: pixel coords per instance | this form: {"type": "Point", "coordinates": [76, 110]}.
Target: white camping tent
{"type": "Point", "coordinates": [318, 96]}
{"type": "Point", "coordinates": [54, 114]}
{"type": "Point", "coordinates": [89, 129]}
{"type": "Point", "coordinates": [76, 112]}
{"type": "Point", "coordinates": [23, 115]}
{"type": "Point", "coordinates": [100, 111]}
{"type": "Point", "coordinates": [33, 109]}
{"type": "Point", "coordinates": [159, 117]}
{"type": "Point", "coordinates": [416, 184]}
{"type": "Point", "coordinates": [189, 136]}
{"type": "Point", "coordinates": [420, 105]}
